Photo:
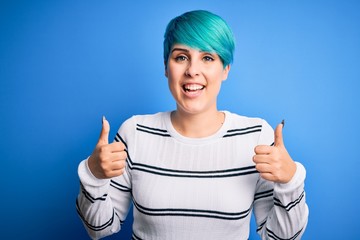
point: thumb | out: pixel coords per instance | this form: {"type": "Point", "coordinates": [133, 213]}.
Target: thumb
{"type": "Point", "coordinates": [278, 134]}
{"type": "Point", "coordinates": [104, 135]}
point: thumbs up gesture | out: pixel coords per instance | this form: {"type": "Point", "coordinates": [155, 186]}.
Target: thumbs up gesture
{"type": "Point", "coordinates": [274, 162]}
{"type": "Point", "coordinates": [107, 160]}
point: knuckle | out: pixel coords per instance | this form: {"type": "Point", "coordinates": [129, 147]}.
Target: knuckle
{"type": "Point", "coordinates": [102, 149]}
{"type": "Point", "coordinates": [104, 167]}
{"type": "Point", "coordinates": [123, 146]}
{"type": "Point", "coordinates": [120, 146]}
{"type": "Point", "coordinates": [124, 155]}
{"type": "Point", "coordinates": [107, 175]}
{"type": "Point", "coordinates": [102, 159]}
{"type": "Point", "coordinates": [123, 164]}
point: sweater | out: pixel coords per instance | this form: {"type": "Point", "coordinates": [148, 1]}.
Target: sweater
{"type": "Point", "coordinates": [192, 188]}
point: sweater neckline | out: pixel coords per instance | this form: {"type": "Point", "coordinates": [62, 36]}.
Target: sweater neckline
{"type": "Point", "coordinates": [203, 140]}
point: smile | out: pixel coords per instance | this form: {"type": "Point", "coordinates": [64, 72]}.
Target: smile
{"type": "Point", "coordinates": [193, 87]}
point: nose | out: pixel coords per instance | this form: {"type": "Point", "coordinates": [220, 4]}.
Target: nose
{"type": "Point", "coordinates": [193, 69]}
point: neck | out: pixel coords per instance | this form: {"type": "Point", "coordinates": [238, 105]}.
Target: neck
{"type": "Point", "coordinates": [197, 125]}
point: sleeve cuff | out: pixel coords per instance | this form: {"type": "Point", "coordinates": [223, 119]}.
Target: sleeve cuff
{"type": "Point", "coordinates": [296, 182]}
{"type": "Point", "coordinates": [87, 178]}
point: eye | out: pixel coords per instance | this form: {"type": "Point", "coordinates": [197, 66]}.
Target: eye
{"type": "Point", "coordinates": [208, 58]}
{"type": "Point", "coordinates": [180, 58]}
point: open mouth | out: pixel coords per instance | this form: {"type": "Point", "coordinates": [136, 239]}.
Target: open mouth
{"type": "Point", "coordinates": [193, 87]}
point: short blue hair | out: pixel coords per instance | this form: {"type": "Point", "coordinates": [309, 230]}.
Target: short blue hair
{"type": "Point", "coordinates": [200, 30]}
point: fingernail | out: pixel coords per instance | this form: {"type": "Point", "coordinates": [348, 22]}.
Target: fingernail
{"type": "Point", "coordinates": [103, 119]}
{"type": "Point", "coordinates": [283, 122]}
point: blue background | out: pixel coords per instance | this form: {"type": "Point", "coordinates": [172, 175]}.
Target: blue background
{"type": "Point", "coordinates": [64, 64]}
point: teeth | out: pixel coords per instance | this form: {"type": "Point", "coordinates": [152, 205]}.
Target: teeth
{"type": "Point", "coordinates": [193, 87]}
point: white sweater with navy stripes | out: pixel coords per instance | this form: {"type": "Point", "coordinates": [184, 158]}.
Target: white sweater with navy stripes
{"type": "Point", "coordinates": [186, 188]}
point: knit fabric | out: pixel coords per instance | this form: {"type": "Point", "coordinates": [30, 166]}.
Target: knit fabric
{"type": "Point", "coordinates": [193, 188]}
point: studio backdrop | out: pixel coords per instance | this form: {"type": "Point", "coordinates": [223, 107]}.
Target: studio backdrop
{"type": "Point", "coordinates": [65, 64]}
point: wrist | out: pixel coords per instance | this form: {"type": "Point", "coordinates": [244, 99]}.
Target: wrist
{"type": "Point", "coordinates": [297, 179]}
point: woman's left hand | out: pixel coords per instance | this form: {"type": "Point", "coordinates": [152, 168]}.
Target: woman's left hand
{"type": "Point", "coordinates": [274, 162]}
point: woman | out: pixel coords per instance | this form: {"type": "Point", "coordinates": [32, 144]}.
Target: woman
{"type": "Point", "coordinates": [196, 172]}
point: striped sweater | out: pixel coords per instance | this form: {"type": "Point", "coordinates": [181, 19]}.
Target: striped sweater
{"type": "Point", "coordinates": [192, 188]}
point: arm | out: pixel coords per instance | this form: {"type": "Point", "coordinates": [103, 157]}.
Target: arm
{"type": "Point", "coordinates": [279, 206]}
{"type": "Point", "coordinates": [105, 187]}
{"type": "Point", "coordinates": [102, 204]}
{"type": "Point", "coordinates": [280, 209]}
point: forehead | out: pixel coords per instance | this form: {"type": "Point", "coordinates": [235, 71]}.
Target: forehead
{"type": "Point", "coordinates": [186, 48]}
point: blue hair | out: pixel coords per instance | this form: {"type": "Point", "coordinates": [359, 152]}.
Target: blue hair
{"type": "Point", "coordinates": [200, 30]}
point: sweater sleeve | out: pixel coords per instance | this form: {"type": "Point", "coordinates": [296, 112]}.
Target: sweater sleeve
{"type": "Point", "coordinates": [280, 210]}
{"type": "Point", "coordinates": [103, 204]}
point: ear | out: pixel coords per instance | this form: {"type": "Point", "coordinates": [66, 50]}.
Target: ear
{"type": "Point", "coordinates": [226, 72]}
{"type": "Point", "coordinates": [166, 73]}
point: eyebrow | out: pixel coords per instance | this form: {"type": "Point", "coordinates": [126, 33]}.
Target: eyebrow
{"type": "Point", "coordinates": [179, 49]}
{"type": "Point", "coordinates": [187, 50]}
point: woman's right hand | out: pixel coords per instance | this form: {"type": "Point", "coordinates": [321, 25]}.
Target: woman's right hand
{"type": "Point", "coordinates": [107, 160]}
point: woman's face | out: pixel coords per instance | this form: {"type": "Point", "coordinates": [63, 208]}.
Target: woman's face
{"type": "Point", "coordinates": [195, 78]}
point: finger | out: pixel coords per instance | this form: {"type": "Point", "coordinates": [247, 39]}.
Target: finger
{"type": "Point", "coordinates": [263, 168]}
{"type": "Point", "coordinates": [113, 173]}
{"type": "Point", "coordinates": [116, 173]}
{"type": "Point", "coordinates": [263, 149]}
{"type": "Point", "coordinates": [278, 134]}
{"type": "Point", "coordinates": [104, 134]}
{"type": "Point", "coordinates": [262, 158]}
{"type": "Point", "coordinates": [268, 176]}
{"type": "Point", "coordinates": [118, 156]}
{"type": "Point", "coordinates": [116, 147]}
{"type": "Point", "coordinates": [117, 165]}
{"type": "Point", "coordinates": [106, 157]}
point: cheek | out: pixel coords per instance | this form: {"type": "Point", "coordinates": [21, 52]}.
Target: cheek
{"type": "Point", "coordinates": [216, 76]}
{"type": "Point", "coordinates": [174, 76]}
{"type": "Point", "coordinates": [172, 84]}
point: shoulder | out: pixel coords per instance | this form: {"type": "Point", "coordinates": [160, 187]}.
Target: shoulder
{"type": "Point", "coordinates": [155, 120]}
{"type": "Point", "coordinates": [243, 125]}
{"type": "Point", "coordinates": [236, 120]}
{"type": "Point", "coordinates": [148, 124]}
{"type": "Point", "coordinates": [151, 120]}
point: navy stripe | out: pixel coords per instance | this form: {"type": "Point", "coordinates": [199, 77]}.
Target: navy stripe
{"type": "Point", "coordinates": [154, 131]}
{"type": "Point", "coordinates": [196, 176]}
{"type": "Point", "coordinates": [134, 237]}
{"type": "Point", "coordinates": [272, 235]}
{"type": "Point", "coordinates": [91, 198]}
{"type": "Point", "coordinates": [244, 129]}
{"type": "Point", "coordinates": [261, 226]}
{"type": "Point", "coordinates": [192, 212]}
{"type": "Point", "coordinates": [264, 194]}
{"type": "Point", "coordinates": [241, 133]}
{"type": "Point", "coordinates": [93, 227]}
{"type": "Point", "coordinates": [193, 174]}
{"type": "Point", "coordinates": [119, 186]}
{"type": "Point", "coordinates": [118, 138]}
{"type": "Point", "coordinates": [288, 207]}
